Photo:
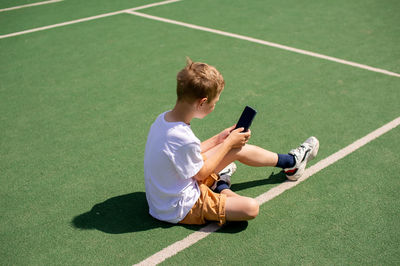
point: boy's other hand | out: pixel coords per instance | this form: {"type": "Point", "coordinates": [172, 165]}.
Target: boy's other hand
{"type": "Point", "coordinates": [237, 139]}
{"type": "Point", "coordinates": [225, 133]}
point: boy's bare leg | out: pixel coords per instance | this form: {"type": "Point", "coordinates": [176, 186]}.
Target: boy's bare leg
{"type": "Point", "coordinates": [249, 154]}
{"type": "Point", "coordinates": [239, 208]}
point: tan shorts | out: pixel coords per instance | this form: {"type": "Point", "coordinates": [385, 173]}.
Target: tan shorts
{"type": "Point", "coordinates": [209, 207]}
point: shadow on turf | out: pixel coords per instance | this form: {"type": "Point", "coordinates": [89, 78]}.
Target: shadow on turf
{"type": "Point", "coordinates": [272, 179]}
{"type": "Point", "coordinates": [129, 213]}
{"type": "Point", "coordinates": [118, 215]}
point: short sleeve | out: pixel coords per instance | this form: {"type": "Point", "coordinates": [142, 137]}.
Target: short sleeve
{"type": "Point", "coordinates": [188, 160]}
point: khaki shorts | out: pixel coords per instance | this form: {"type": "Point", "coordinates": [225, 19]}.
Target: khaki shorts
{"type": "Point", "coordinates": [209, 207]}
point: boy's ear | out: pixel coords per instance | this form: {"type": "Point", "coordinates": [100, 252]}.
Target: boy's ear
{"type": "Point", "coordinates": [203, 101]}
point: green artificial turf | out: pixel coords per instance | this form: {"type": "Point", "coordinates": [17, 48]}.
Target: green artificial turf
{"type": "Point", "coordinates": [58, 12]}
{"type": "Point", "coordinates": [76, 103]}
{"type": "Point", "coordinates": [362, 31]}
{"type": "Point", "coordinates": [346, 214]}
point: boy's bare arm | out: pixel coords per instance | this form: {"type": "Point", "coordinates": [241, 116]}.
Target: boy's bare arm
{"type": "Point", "coordinates": [235, 139]}
{"type": "Point", "coordinates": [209, 143]}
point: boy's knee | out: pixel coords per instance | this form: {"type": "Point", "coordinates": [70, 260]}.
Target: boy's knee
{"type": "Point", "coordinates": [253, 208]}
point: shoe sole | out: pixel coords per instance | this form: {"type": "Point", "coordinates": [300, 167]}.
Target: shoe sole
{"type": "Point", "coordinates": [315, 151]}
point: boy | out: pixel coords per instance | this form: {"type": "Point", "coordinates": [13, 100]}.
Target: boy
{"type": "Point", "coordinates": [179, 169]}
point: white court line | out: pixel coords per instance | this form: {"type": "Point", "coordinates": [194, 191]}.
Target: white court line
{"type": "Point", "coordinates": [270, 194]}
{"type": "Point", "coordinates": [271, 44]}
{"type": "Point", "coordinates": [242, 37]}
{"type": "Point", "coordinates": [29, 5]}
{"type": "Point", "coordinates": [85, 19]}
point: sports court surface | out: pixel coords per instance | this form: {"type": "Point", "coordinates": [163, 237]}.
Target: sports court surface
{"type": "Point", "coordinates": [82, 81]}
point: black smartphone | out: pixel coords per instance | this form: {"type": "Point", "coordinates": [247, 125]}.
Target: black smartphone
{"type": "Point", "coordinates": [246, 118]}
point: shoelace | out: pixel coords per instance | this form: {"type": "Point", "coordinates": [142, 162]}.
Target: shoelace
{"type": "Point", "coordinates": [300, 150]}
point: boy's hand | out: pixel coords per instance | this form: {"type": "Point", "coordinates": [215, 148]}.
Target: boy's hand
{"type": "Point", "coordinates": [237, 139]}
{"type": "Point", "coordinates": [225, 133]}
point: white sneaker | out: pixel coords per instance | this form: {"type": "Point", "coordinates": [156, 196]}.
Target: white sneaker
{"type": "Point", "coordinates": [302, 154]}
{"type": "Point", "coordinates": [225, 175]}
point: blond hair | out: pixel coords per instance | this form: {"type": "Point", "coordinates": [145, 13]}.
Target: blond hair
{"type": "Point", "coordinates": [198, 80]}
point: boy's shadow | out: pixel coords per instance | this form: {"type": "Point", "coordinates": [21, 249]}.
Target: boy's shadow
{"type": "Point", "coordinates": [117, 215]}
{"type": "Point", "coordinates": [129, 213]}
{"type": "Point", "coordinates": [272, 179]}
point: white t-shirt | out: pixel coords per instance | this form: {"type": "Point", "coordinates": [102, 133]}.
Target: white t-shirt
{"type": "Point", "coordinates": [172, 157]}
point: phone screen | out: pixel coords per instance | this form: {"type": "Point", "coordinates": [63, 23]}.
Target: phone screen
{"type": "Point", "coordinates": [246, 118]}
